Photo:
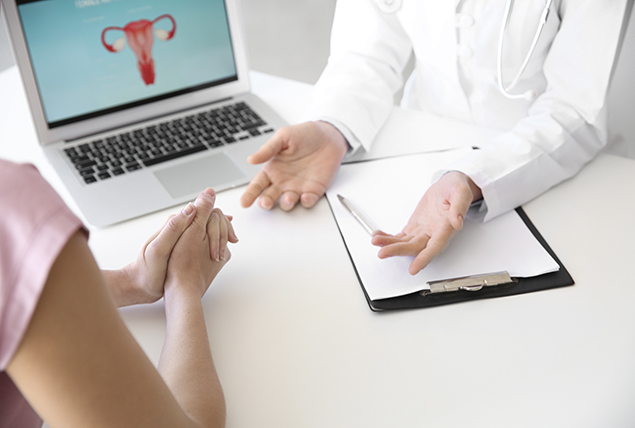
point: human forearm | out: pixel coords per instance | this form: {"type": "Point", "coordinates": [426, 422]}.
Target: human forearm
{"type": "Point", "coordinates": [121, 288]}
{"type": "Point", "coordinates": [142, 280]}
{"type": "Point", "coordinates": [566, 126]}
{"type": "Point", "coordinates": [512, 170]}
{"type": "Point", "coordinates": [127, 287]}
{"type": "Point", "coordinates": [186, 362]}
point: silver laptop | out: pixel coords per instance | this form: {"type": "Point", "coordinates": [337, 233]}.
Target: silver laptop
{"type": "Point", "coordinates": [139, 105]}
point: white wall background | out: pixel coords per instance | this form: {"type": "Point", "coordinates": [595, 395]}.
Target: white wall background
{"type": "Point", "coordinates": [622, 97]}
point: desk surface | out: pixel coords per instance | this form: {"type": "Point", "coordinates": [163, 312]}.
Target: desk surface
{"type": "Point", "coordinates": [296, 345]}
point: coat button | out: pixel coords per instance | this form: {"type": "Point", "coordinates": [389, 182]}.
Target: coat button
{"type": "Point", "coordinates": [463, 21]}
{"type": "Point", "coordinates": [388, 6]}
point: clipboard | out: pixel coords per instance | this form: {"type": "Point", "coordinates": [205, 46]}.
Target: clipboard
{"type": "Point", "coordinates": [492, 285]}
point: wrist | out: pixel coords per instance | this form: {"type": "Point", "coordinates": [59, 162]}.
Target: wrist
{"type": "Point", "coordinates": [179, 295]}
{"type": "Point", "coordinates": [120, 286]}
{"type": "Point", "coordinates": [128, 286]}
{"type": "Point", "coordinates": [335, 136]}
{"type": "Point", "coordinates": [477, 194]}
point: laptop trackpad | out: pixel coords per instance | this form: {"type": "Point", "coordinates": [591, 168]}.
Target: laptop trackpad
{"type": "Point", "coordinates": [211, 171]}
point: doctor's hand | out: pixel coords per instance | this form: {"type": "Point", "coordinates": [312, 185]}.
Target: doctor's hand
{"type": "Point", "coordinates": [300, 162]}
{"type": "Point", "coordinates": [437, 218]}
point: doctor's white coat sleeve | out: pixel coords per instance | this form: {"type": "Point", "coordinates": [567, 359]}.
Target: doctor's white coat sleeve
{"type": "Point", "coordinates": [364, 70]}
{"type": "Point", "coordinates": [567, 124]}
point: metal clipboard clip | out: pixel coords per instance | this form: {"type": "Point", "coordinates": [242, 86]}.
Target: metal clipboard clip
{"type": "Point", "coordinates": [468, 283]}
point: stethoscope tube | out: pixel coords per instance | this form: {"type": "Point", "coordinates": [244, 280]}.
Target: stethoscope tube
{"type": "Point", "coordinates": [528, 95]}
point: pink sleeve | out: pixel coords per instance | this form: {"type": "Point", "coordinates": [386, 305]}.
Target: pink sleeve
{"type": "Point", "coordinates": [35, 224]}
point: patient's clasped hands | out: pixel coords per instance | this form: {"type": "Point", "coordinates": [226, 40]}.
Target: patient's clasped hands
{"type": "Point", "coordinates": [189, 250]}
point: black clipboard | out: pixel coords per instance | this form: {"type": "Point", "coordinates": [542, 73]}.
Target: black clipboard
{"type": "Point", "coordinates": [559, 278]}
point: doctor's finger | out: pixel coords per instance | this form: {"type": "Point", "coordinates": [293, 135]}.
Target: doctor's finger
{"type": "Point", "coordinates": [460, 201]}
{"type": "Point", "coordinates": [271, 148]}
{"type": "Point", "coordinates": [409, 248]}
{"type": "Point", "coordinates": [269, 198]}
{"type": "Point", "coordinates": [385, 239]}
{"type": "Point", "coordinates": [288, 200]}
{"type": "Point", "coordinates": [435, 246]}
{"type": "Point", "coordinates": [257, 185]}
{"type": "Point", "coordinates": [309, 199]}
{"type": "Point", "coordinates": [381, 238]}
{"type": "Point", "coordinates": [379, 232]}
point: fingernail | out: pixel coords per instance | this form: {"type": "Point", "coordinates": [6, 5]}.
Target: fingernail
{"type": "Point", "coordinates": [222, 254]}
{"type": "Point", "coordinates": [210, 192]}
{"type": "Point", "coordinates": [189, 209]}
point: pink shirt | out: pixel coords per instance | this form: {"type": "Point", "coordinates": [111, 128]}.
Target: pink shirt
{"type": "Point", "coordinates": [35, 224]}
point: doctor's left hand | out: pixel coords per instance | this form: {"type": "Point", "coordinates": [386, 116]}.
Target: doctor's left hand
{"type": "Point", "coordinates": [437, 218]}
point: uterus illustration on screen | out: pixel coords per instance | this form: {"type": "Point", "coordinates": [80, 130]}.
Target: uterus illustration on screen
{"type": "Point", "coordinates": [140, 35]}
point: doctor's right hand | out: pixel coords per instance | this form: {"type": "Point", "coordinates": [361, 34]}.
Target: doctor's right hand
{"type": "Point", "coordinates": [300, 162]}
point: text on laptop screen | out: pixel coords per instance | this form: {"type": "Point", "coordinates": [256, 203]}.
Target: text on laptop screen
{"type": "Point", "coordinates": [92, 57]}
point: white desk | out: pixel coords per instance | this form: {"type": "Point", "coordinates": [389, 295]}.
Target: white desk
{"type": "Point", "coordinates": [296, 345]}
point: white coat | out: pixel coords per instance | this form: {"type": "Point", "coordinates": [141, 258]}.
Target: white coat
{"type": "Point", "coordinates": [455, 46]}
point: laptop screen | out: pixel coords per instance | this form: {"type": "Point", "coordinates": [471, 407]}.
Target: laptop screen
{"type": "Point", "coordinates": [93, 57]}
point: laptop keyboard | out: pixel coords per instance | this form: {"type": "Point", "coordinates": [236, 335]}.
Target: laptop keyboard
{"type": "Point", "coordinates": [130, 151]}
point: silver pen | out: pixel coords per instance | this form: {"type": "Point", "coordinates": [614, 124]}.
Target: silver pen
{"type": "Point", "coordinates": [356, 214]}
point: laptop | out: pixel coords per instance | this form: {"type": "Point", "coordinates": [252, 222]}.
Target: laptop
{"type": "Point", "coordinates": [139, 105]}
